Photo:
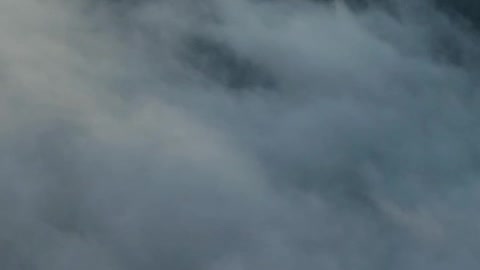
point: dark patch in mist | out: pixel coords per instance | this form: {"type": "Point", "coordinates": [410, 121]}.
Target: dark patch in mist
{"type": "Point", "coordinates": [221, 64]}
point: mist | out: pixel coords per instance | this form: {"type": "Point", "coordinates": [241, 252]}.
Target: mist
{"type": "Point", "coordinates": [239, 134]}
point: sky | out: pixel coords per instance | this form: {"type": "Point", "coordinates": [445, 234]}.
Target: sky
{"type": "Point", "coordinates": [239, 135]}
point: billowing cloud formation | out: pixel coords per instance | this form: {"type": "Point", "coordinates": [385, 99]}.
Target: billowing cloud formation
{"type": "Point", "coordinates": [238, 134]}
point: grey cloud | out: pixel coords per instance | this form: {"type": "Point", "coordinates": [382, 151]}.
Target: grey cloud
{"type": "Point", "coordinates": [237, 135]}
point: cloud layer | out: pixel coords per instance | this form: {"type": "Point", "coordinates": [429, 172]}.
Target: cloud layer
{"type": "Point", "coordinates": [238, 134]}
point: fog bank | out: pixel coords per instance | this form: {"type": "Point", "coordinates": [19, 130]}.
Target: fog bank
{"type": "Point", "coordinates": [239, 134]}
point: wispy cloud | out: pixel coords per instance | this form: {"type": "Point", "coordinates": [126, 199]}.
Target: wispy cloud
{"type": "Point", "coordinates": [237, 134]}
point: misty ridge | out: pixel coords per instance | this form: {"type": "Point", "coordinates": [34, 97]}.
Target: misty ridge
{"type": "Point", "coordinates": [239, 134]}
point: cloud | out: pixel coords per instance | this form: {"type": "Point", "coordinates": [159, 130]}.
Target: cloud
{"type": "Point", "coordinates": [237, 135]}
